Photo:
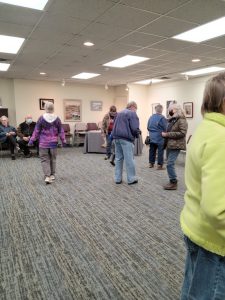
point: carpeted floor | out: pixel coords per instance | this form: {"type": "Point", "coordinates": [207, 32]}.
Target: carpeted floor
{"type": "Point", "coordinates": [84, 237]}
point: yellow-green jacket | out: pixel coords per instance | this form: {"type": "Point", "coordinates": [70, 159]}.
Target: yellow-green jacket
{"type": "Point", "coordinates": [203, 216]}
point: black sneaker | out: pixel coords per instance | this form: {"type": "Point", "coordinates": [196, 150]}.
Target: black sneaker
{"type": "Point", "coordinates": [13, 157]}
{"type": "Point", "coordinates": [119, 182]}
{"type": "Point", "coordinates": [112, 163]}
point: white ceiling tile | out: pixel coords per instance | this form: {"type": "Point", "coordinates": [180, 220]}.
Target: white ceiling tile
{"type": "Point", "coordinates": [157, 6]}
{"type": "Point", "coordinates": [200, 11]}
{"type": "Point", "coordinates": [140, 39]}
{"type": "Point", "coordinates": [171, 45]}
{"type": "Point", "coordinates": [127, 17]}
{"type": "Point", "coordinates": [167, 27]}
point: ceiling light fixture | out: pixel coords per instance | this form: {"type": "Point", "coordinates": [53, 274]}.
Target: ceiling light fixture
{"type": "Point", "coordinates": [148, 81]}
{"type": "Point", "coordinates": [203, 71]}
{"type": "Point", "coordinates": [106, 86]}
{"type": "Point", "coordinates": [63, 82]}
{"type": "Point", "coordinates": [195, 60]}
{"type": "Point", "coordinates": [88, 44]}
{"type": "Point", "coordinates": [204, 32]}
{"type": "Point", "coordinates": [10, 44]}
{"type": "Point", "coordinates": [4, 66]}
{"type": "Point", "coordinates": [42, 73]}
{"type": "Point", "coordinates": [35, 4]}
{"type": "Point", "coordinates": [126, 61]}
{"type": "Point", "coordinates": [84, 75]}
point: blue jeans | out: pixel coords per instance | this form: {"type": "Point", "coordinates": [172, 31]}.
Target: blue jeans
{"type": "Point", "coordinates": [152, 153]}
{"type": "Point", "coordinates": [172, 155]}
{"type": "Point", "coordinates": [108, 145]}
{"type": "Point", "coordinates": [204, 277]}
{"type": "Point", "coordinates": [124, 151]}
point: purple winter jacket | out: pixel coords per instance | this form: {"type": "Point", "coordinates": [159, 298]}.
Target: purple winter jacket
{"type": "Point", "coordinates": [47, 131]}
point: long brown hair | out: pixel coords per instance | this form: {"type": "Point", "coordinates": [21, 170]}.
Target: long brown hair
{"type": "Point", "coordinates": [214, 95]}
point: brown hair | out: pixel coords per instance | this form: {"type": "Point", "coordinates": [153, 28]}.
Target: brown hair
{"type": "Point", "coordinates": [112, 108]}
{"type": "Point", "coordinates": [214, 95]}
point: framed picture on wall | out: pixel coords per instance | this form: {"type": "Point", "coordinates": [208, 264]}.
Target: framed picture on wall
{"type": "Point", "coordinates": [168, 103]}
{"type": "Point", "coordinates": [72, 110]}
{"type": "Point", "coordinates": [188, 109]}
{"type": "Point", "coordinates": [96, 105]}
{"type": "Point", "coordinates": [42, 102]}
{"type": "Point", "coordinates": [153, 107]}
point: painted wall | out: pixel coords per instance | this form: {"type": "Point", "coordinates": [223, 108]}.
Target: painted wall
{"type": "Point", "coordinates": [28, 92]}
{"type": "Point", "coordinates": [8, 98]}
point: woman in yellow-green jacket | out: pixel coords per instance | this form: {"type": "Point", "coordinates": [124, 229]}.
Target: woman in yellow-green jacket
{"type": "Point", "coordinates": [203, 216]}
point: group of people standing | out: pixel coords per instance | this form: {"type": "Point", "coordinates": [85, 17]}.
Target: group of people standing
{"type": "Point", "coordinates": [169, 134]}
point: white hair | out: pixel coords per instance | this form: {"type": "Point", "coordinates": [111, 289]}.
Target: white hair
{"type": "Point", "coordinates": [49, 107]}
{"type": "Point", "coordinates": [178, 110]}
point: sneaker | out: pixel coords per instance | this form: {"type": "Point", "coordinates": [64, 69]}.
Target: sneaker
{"type": "Point", "coordinates": [170, 186]}
{"type": "Point", "coordinates": [13, 156]}
{"type": "Point", "coordinates": [106, 158]}
{"type": "Point", "coordinates": [151, 165]}
{"type": "Point", "coordinates": [28, 155]}
{"type": "Point", "coordinates": [119, 182]}
{"type": "Point", "coordinates": [112, 163]}
{"type": "Point", "coordinates": [134, 182]}
{"type": "Point", "coordinates": [47, 180]}
{"type": "Point", "coordinates": [52, 178]}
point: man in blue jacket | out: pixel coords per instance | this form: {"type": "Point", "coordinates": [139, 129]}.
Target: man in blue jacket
{"type": "Point", "coordinates": [8, 135]}
{"type": "Point", "coordinates": [125, 130]}
{"type": "Point", "coordinates": [157, 124]}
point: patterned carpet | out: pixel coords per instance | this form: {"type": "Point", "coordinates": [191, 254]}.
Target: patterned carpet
{"type": "Point", "coordinates": [83, 237]}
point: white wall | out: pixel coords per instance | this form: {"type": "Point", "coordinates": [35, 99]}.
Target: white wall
{"type": "Point", "coordinates": [28, 92]}
{"type": "Point", "coordinates": [181, 91]}
{"type": "Point", "coordinates": [8, 99]}
{"type": "Point", "coordinates": [139, 94]}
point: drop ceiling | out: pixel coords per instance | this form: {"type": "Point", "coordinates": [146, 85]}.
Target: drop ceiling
{"type": "Point", "coordinates": [55, 37]}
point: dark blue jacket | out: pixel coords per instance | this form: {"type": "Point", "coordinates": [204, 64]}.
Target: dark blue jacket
{"type": "Point", "coordinates": [126, 126]}
{"type": "Point", "coordinates": [4, 130]}
{"type": "Point", "coordinates": [157, 123]}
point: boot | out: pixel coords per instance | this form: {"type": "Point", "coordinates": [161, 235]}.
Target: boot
{"type": "Point", "coordinates": [160, 167]}
{"type": "Point", "coordinates": [151, 165]}
{"type": "Point", "coordinates": [170, 186]}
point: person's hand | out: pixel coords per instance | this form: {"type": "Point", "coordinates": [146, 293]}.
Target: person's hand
{"type": "Point", "coordinates": [26, 139]}
{"type": "Point", "coordinates": [7, 134]}
{"type": "Point", "coordinates": [164, 134]}
{"type": "Point", "coordinates": [12, 133]}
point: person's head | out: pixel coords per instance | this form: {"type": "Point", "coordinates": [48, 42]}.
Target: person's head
{"type": "Point", "coordinates": [159, 109]}
{"type": "Point", "coordinates": [4, 120]}
{"type": "Point", "coordinates": [176, 110]}
{"type": "Point", "coordinates": [112, 110]}
{"type": "Point", "coordinates": [214, 95]}
{"type": "Point", "coordinates": [28, 119]}
{"type": "Point", "coordinates": [132, 105]}
{"type": "Point", "coordinates": [49, 107]}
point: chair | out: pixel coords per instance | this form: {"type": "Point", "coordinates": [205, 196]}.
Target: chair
{"type": "Point", "coordinates": [68, 135]}
{"type": "Point", "coordinates": [79, 133]}
{"type": "Point", "coordinates": [92, 126]}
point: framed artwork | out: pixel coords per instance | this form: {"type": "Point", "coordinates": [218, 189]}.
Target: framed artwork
{"type": "Point", "coordinates": [96, 105]}
{"type": "Point", "coordinates": [188, 109]}
{"type": "Point", "coordinates": [42, 102]}
{"type": "Point", "coordinates": [153, 107]}
{"type": "Point", "coordinates": [72, 110]}
{"type": "Point", "coordinates": [168, 103]}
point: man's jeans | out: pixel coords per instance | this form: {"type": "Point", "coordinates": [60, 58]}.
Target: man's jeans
{"type": "Point", "coordinates": [204, 277]}
{"type": "Point", "coordinates": [124, 152]}
{"type": "Point", "coordinates": [172, 155]}
{"type": "Point", "coordinates": [108, 145]}
{"type": "Point", "coordinates": [152, 153]}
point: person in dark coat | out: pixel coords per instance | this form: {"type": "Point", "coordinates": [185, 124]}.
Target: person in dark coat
{"type": "Point", "coordinates": [8, 135]}
{"type": "Point", "coordinates": [24, 132]}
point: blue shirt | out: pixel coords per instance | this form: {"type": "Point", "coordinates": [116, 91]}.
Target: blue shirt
{"type": "Point", "coordinates": [157, 123]}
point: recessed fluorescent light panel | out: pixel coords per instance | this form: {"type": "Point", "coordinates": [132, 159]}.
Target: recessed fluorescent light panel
{"type": "Point", "coordinates": [195, 60]}
{"type": "Point", "coordinates": [203, 71]}
{"type": "Point", "coordinates": [85, 75]}
{"type": "Point", "coordinates": [42, 73]}
{"type": "Point", "coordinates": [10, 44]}
{"type": "Point", "coordinates": [126, 61]}
{"type": "Point", "coordinates": [35, 4]}
{"type": "Point", "coordinates": [148, 81]}
{"type": "Point", "coordinates": [4, 67]}
{"type": "Point", "coordinates": [204, 32]}
{"type": "Point", "coordinates": [88, 44]}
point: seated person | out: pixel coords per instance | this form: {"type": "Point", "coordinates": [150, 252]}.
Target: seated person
{"type": "Point", "coordinates": [8, 135]}
{"type": "Point", "coordinates": [24, 132]}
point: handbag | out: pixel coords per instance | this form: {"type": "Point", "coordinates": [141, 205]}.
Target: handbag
{"type": "Point", "coordinates": [147, 140]}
